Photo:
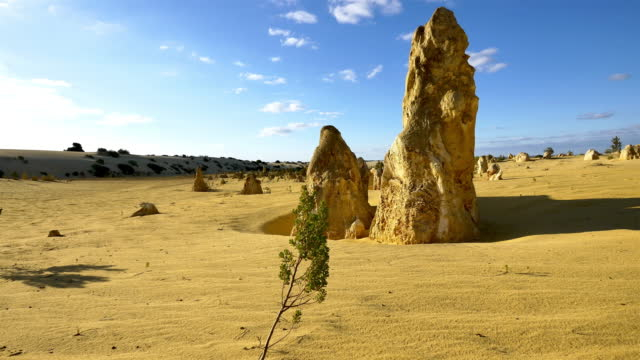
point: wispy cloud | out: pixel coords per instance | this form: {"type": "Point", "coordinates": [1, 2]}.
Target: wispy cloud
{"type": "Point", "coordinates": [278, 32]}
{"type": "Point", "coordinates": [290, 40]}
{"type": "Point", "coordinates": [348, 75]}
{"type": "Point", "coordinates": [595, 116]}
{"type": "Point", "coordinates": [43, 101]}
{"type": "Point", "coordinates": [287, 129]}
{"type": "Point", "coordinates": [484, 60]}
{"type": "Point", "coordinates": [276, 81]}
{"type": "Point", "coordinates": [252, 76]}
{"type": "Point", "coordinates": [406, 36]}
{"type": "Point", "coordinates": [117, 119]}
{"type": "Point", "coordinates": [206, 59]}
{"type": "Point", "coordinates": [277, 107]}
{"type": "Point", "coordinates": [239, 90]}
{"type": "Point", "coordinates": [239, 63]}
{"type": "Point", "coordinates": [375, 71]}
{"type": "Point", "coordinates": [48, 82]}
{"type": "Point", "coordinates": [619, 77]}
{"type": "Point", "coordinates": [105, 28]}
{"type": "Point", "coordinates": [330, 114]}
{"type": "Point", "coordinates": [275, 59]}
{"type": "Point", "coordinates": [301, 17]}
{"type": "Point", "coordinates": [353, 11]}
{"type": "Point", "coordinates": [294, 41]}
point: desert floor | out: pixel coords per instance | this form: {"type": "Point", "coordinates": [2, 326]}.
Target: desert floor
{"type": "Point", "coordinates": [555, 276]}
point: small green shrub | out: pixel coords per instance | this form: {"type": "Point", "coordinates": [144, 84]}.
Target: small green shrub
{"type": "Point", "coordinates": [1, 173]}
{"type": "Point", "coordinates": [126, 169]}
{"type": "Point", "coordinates": [123, 151]}
{"type": "Point", "coordinates": [76, 147]}
{"type": "Point", "coordinates": [100, 170]}
{"type": "Point", "coordinates": [156, 168]}
{"type": "Point", "coordinates": [89, 156]}
{"type": "Point", "coordinates": [133, 163]}
{"type": "Point", "coordinates": [100, 161]}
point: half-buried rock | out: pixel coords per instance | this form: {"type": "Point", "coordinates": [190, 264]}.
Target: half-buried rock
{"type": "Point", "coordinates": [628, 153]}
{"type": "Point", "coordinates": [251, 186]}
{"type": "Point", "coordinates": [336, 176]}
{"type": "Point", "coordinates": [591, 154]}
{"type": "Point", "coordinates": [427, 191]}
{"type": "Point", "coordinates": [146, 209]}
{"type": "Point", "coordinates": [55, 233]}
{"type": "Point", "coordinates": [523, 157]}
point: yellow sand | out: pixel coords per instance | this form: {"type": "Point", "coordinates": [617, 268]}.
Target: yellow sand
{"type": "Point", "coordinates": [557, 275]}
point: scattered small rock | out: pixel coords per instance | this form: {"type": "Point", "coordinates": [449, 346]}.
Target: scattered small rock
{"type": "Point", "coordinates": [55, 233]}
{"type": "Point", "coordinates": [146, 209]}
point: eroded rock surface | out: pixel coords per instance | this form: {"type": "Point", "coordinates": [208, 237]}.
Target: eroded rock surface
{"type": "Point", "coordinates": [427, 191]}
{"type": "Point", "coordinates": [251, 186]}
{"type": "Point", "coordinates": [591, 154]}
{"type": "Point", "coordinates": [337, 176]}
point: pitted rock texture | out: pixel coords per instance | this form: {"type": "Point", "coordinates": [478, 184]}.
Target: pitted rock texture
{"type": "Point", "coordinates": [337, 177]}
{"type": "Point", "coordinates": [427, 191]}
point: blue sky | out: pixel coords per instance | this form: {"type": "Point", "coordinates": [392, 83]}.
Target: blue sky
{"type": "Point", "coordinates": [255, 79]}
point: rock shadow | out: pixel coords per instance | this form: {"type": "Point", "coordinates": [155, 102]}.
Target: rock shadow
{"type": "Point", "coordinates": [510, 217]}
{"type": "Point", "coordinates": [57, 276]}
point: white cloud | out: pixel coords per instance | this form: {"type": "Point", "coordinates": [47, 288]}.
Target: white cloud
{"type": "Point", "coordinates": [164, 47]}
{"type": "Point", "coordinates": [375, 71]}
{"type": "Point", "coordinates": [288, 129]}
{"type": "Point", "coordinates": [406, 36]}
{"type": "Point", "coordinates": [47, 82]}
{"type": "Point", "coordinates": [330, 114]}
{"type": "Point", "coordinates": [105, 28]}
{"type": "Point", "coordinates": [40, 102]}
{"type": "Point", "coordinates": [276, 81]}
{"type": "Point", "coordinates": [484, 60]}
{"type": "Point", "coordinates": [169, 73]}
{"type": "Point", "coordinates": [329, 78]}
{"type": "Point", "coordinates": [277, 107]}
{"type": "Point", "coordinates": [117, 119]}
{"type": "Point", "coordinates": [595, 116]}
{"type": "Point", "coordinates": [294, 41]}
{"type": "Point", "coordinates": [275, 59]}
{"type": "Point", "coordinates": [348, 75]}
{"type": "Point", "coordinates": [252, 76]}
{"type": "Point", "coordinates": [53, 10]}
{"type": "Point", "coordinates": [239, 91]}
{"type": "Point", "coordinates": [619, 77]}
{"type": "Point", "coordinates": [172, 46]}
{"type": "Point", "coordinates": [301, 17]}
{"type": "Point", "coordinates": [352, 11]}
{"type": "Point", "coordinates": [206, 59]}
{"type": "Point", "coordinates": [6, 3]}
{"type": "Point", "coordinates": [239, 64]}
{"type": "Point", "coordinates": [279, 32]}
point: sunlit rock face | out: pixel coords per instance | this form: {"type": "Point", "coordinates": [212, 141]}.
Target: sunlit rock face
{"type": "Point", "coordinates": [341, 181]}
{"type": "Point", "coordinates": [427, 193]}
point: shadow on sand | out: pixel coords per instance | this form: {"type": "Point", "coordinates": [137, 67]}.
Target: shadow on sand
{"type": "Point", "coordinates": [512, 217]}
{"type": "Point", "coordinates": [57, 276]}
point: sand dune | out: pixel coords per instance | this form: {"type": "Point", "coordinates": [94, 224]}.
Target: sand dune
{"type": "Point", "coordinates": [556, 275]}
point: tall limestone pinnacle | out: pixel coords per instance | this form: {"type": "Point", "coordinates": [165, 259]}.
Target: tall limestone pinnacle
{"type": "Point", "coordinates": [427, 193]}
{"type": "Point", "coordinates": [340, 181]}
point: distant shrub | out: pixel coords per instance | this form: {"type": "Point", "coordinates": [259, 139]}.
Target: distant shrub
{"type": "Point", "coordinates": [133, 163]}
{"type": "Point", "coordinates": [152, 159]}
{"type": "Point", "coordinates": [112, 153]}
{"type": "Point", "coordinates": [569, 153]}
{"type": "Point", "coordinates": [101, 150]}
{"type": "Point", "coordinates": [549, 150]}
{"type": "Point", "coordinates": [44, 173]}
{"type": "Point", "coordinates": [35, 178]}
{"type": "Point", "coordinates": [15, 176]}
{"type": "Point", "coordinates": [25, 176]}
{"type": "Point", "coordinates": [123, 151]}
{"type": "Point", "coordinates": [379, 165]}
{"type": "Point", "coordinates": [89, 156]}
{"type": "Point", "coordinates": [277, 161]}
{"type": "Point", "coordinates": [76, 147]}
{"type": "Point", "coordinates": [105, 152]}
{"type": "Point", "coordinates": [126, 169]}
{"type": "Point", "coordinates": [100, 161]}
{"type": "Point", "coordinates": [156, 168]}
{"type": "Point", "coordinates": [67, 174]}
{"type": "Point", "coordinates": [75, 173]}
{"type": "Point", "coordinates": [49, 178]}
{"type": "Point", "coordinates": [205, 159]}
{"type": "Point", "coordinates": [1, 173]}
{"type": "Point", "coordinates": [191, 157]}
{"type": "Point", "coordinates": [100, 170]}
